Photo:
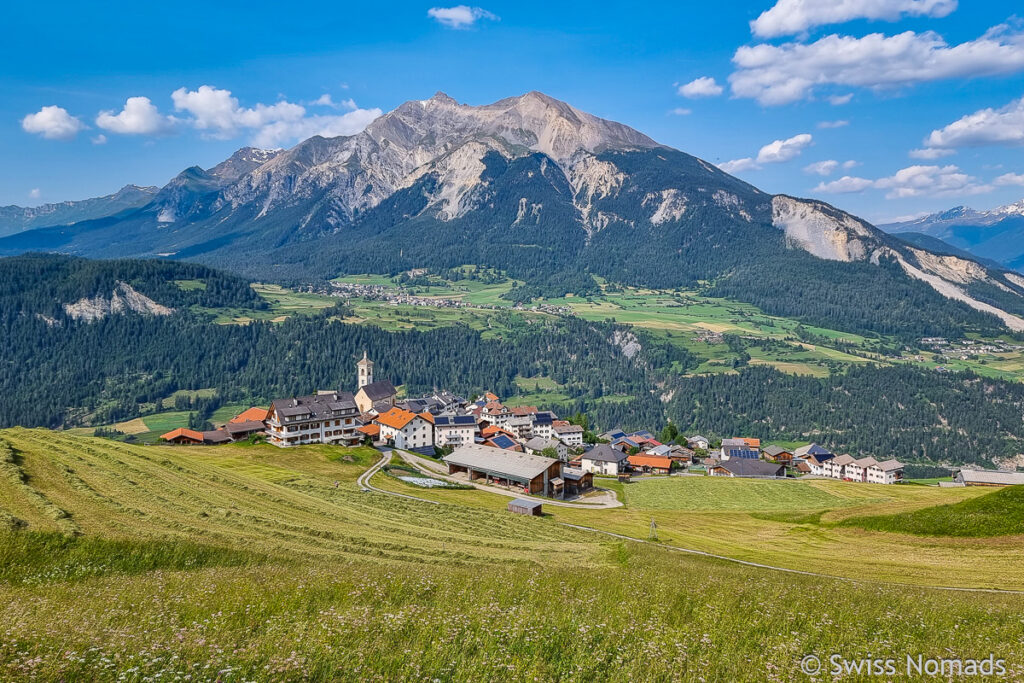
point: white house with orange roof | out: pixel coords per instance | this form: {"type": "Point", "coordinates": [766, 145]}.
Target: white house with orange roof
{"type": "Point", "coordinates": [405, 429]}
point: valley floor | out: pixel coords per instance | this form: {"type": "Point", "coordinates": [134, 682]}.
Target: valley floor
{"type": "Point", "coordinates": [254, 563]}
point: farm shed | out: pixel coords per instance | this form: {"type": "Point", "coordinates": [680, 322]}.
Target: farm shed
{"type": "Point", "coordinates": [521, 506]}
{"type": "Point", "coordinates": [534, 473]}
{"type": "Point", "coordinates": [988, 478]}
{"type": "Point", "coordinates": [183, 436]}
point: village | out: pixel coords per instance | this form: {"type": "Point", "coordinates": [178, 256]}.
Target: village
{"type": "Point", "coordinates": [527, 451]}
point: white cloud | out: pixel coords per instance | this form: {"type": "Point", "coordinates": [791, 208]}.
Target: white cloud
{"type": "Point", "coordinates": [326, 100]}
{"type": "Point", "coordinates": [842, 123]}
{"type": "Point", "coordinates": [1003, 126]}
{"type": "Point", "coordinates": [1009, 179]}
{"type": "Point", "coordinates": [739, 165]}
{"type": "Point", "coordinates": [783, 150]}
{"type": "Point", "coordinates": [912, 181]}
{"type": "Point", "coordinates": [35, 193]}
{"type": "Point", "coordinates": [930, 154]}
{"type": "Point", "coordinates": [705, 86]}
{"type": "Point", "coordinates": [774, 152]}
{"type": "Point", "coordinates": [790, 17]}
{"type": "Point", "coordinates": [840, 100]}
{"type": "Point", "coordinates": [100, 139]}
{"type": "Point", "coordinates": [218, 114]}
{"type": "Point", "coordinates": [53, 123]}
{"type": "Point", "coordinates": [681, 111]}
{"type": "Point", "coordinates": [826, 167]}
{"type": "Point", "coordinates": [460, 16]}
{"type": "Point", "coordinates": [775, 75]}
{"type": "Point", "coordinates": [139, 117]}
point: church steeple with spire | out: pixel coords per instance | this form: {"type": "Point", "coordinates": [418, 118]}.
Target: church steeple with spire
{"type": "Point", "coordinates": [365, 371]}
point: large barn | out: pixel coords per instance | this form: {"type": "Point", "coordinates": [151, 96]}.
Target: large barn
{"type": "Point", "coordinates": [534, 473]}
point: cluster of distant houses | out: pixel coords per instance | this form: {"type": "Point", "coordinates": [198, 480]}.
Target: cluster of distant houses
{"type": "Point", "coordinates": [528, 449]}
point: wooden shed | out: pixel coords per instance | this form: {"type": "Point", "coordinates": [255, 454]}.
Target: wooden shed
{"type": "Point", "coordinates": [521, 506]}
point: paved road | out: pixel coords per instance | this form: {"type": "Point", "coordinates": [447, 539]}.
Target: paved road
{"type": "Point", "coordinates": [364, 479]}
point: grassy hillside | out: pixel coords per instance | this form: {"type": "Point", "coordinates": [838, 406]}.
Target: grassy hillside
{"type": "Point", "coordinates": [998, 513]}
{"type": "Point", "coordinates": [253, 563]}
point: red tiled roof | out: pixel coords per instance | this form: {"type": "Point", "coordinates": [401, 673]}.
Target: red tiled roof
{"type": "Point", "coordinates": [181, 431]}
{"type": "Point", "coordinates": [396, 418]}
{"type": "Point", "coordinates": [369, 430]}
{"type": "Point", "coordinates": [255, 414]}
{"type": "Point", "coordinates": [650, 461]}
{"type": "Point", "coordinates": [427, 416]}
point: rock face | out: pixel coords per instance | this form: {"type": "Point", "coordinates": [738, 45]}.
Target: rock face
{"type": "Point", "coordinates": [124, 299]}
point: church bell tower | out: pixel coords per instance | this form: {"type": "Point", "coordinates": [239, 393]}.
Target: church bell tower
{"type": "Point", "coordinates": [365, 371]}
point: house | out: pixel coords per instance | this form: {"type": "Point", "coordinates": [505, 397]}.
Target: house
{"type": "Point", "coordinates": [538, 445]}
{"type": "Point", "coordinates": [655, 464]}
{"type": "Point", "coordinates": [405, 429]}
{"type": "Point", "coordinates": [682, 454]}
{"type": "Point", "coordinates": [255, 414]}
{"type": "Point", "coordinates": [495, 413]}
{"type": "Point", "coordinates": [371, 430]}
{"type": "Point", "coordinates": [239, 431]}
{"type": "Point", "coordinates": [603, 459]}
{"type": "Point", "coordinates": [836, 467]}
{"type": "Point", "coordinates": [858, 469]}
{"type": "Point", "coordinates": [752, 443]}
{"type": "Point", "coordinates": [379, 396]}
{"type": "Point", "coordinates": [613, 435]}
{"type": "Point", "coordinates": [324, 417]}
{"type": "Point", "coordinates": [215, 437]}
{"type": "Point", "coordinates": [521, 506]}
{"type": "Point", "coordinates": [816, 463]}
{"type": "Point", "coordinates": [814, 449]}
{"type": "Point", "coordinates": [698, 442]}
{"type": "Point", "coordinates": [778, 454]}
{"type": "Point", "coordinates": [543, 424]}
{"type": "Point", "coordinates": [886, 472]}
{"type": "Point", "coordinates": [747, 468]}
{"type": "Point", "coordinates": [576, 480]}
{"type": "Point", "coordinates": [534, 474]}
{"type": "Point", "coordinates": [183, 436]}
{"type": "Point", "coordinates": [801, 467]}
{"type": "Point", "coordinates": [571, 435]}
{"type": "Point", "coordinates": [454, 430]}
{"type": "Point", "coordinates": [969, 477]}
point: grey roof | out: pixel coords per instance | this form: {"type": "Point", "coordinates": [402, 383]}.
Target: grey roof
{"type": "Point", "coordinates": [244, 427]}
{"type": "Point", "coordinates": [991, 477]}
{"type": "Point", "coordinates": [216, 436]}
{"type": "Point", "coordinates": [573, 473]}
{"type": "Point", "coordinates": [745, 467]}
{"type": "Point", "coordinates": [811, 449]}
{"type": "Point", "coordinates": [891, 465]}
{"type": "Point", "coordinates": [568, 429]}
{"type": "Point", "coordinates": [734, 442]}
{"type": "Point", "coordinates": [843, 460]}
{"type": "Point", "coordinates": [660, 450]}
{"type": "Point", "coordinates": [774, 450]}
{"type": "Point", "coordinates": [865, 462]}
{"type": "Point", "coordinates": [696, 437]}
{"type": "Point", "coordinates": [379, 390]}
{"type": "Point", "coordinates": [605, 453]}
{"type": "Point", "coordinates": [523, 503]}
{"type": "Point", "coordinates": [537, 443]}
{"type": "Point", "coordinates": [499, 461]}
{"type": "Point", "coordinates": [317, 406]}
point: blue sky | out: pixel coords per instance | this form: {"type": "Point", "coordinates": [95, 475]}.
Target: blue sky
{"type": "Point", "coordinates": [807, 100]}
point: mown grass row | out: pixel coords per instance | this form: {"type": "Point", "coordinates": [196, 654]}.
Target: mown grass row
{"type": "Point", "coordinates": [999, 513]}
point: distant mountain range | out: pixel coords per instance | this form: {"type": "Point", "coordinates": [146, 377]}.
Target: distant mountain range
{"type": "Point", "coordinates": [996, 235]}
{"type": "Point", "coordinates": [553, 196]}
{"type": "Point", "coordinates": [18, 218]}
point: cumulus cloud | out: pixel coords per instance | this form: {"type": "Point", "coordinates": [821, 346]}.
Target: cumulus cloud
{"type": "Point", "coordinates": [139, 117]}
{"type": "Point", "coordinates": [912, 181]}
{"type": "Point", "coordinates": [774, 152]}
{"type": "Point", "coordinates": [930, 154]}
{"type": "Point", "coordinates": [840, 100]}
{"type": "Point", "coordinates": [833, 124]}
{"type": "Point", "coordinates": [100, 139]}
{"type": "Point", "coordinates": [705, 86]}
{"type": "Point", "coordinates": [53, 123]}
{"type": "Point", "coordinates": [781, 74]}
{"type": "Point", "coordinates": [219, 114]}
{"type": "Point", "coordinates": [35, 193]}
{"type": "Point", "coordinates": [1009, 179]}
{"type": "Point", "coordinates": [790, 17]}
{"type": "Point", "coordinates": [460, 16]}
{"type": "Point", "coordinates": [1003, 126]}
{"type": "Point", "coordinates": [826, 167]}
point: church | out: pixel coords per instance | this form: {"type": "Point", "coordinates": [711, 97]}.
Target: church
{"type": "Point", "coordinates": [379, 396]}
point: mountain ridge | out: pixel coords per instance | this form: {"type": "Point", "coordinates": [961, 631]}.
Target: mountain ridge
{"type": "Point", "coordinates": [549, 193]}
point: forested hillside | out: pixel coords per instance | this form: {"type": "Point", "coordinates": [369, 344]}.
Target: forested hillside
{"type": "Point", "coordinates": [43, 283]}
